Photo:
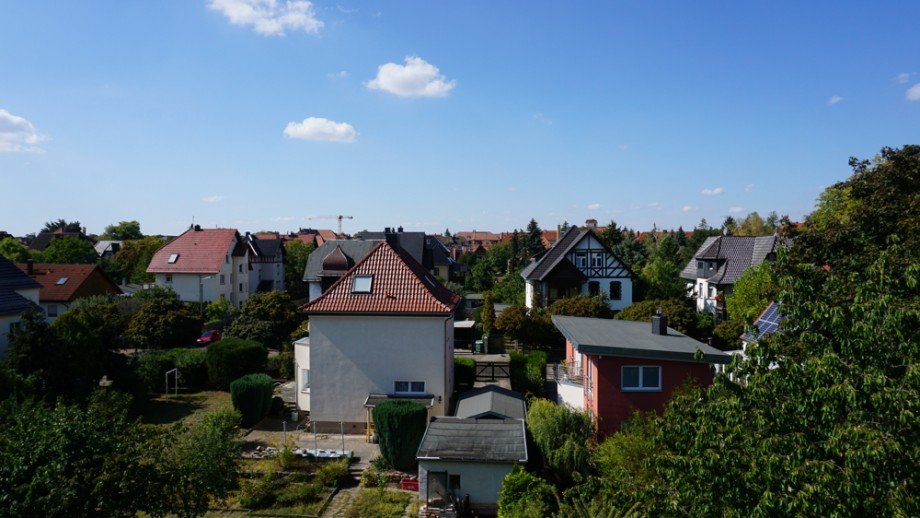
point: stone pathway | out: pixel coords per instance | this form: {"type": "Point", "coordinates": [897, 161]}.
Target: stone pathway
{"type": "Point", "coordinates": [341, 502]}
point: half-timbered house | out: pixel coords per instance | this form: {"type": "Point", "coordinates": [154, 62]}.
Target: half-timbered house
{"type": "Point", "coordinates": [579, 263]}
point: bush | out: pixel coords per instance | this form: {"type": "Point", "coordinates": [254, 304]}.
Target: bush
{"type": "Point", "coordinates": [464, 373]}
{"type": "Point", "coordinates": [295, 494]}
{"type": "Point", "coordinates": [681, 316]}
{"type": "Point", "coordinates": [528, 372]}
{"type": "Point", "coordinates": [333, 473]}
{"type": "Point", "coordinates": [582, 306]}
{"type": "Point", "coordinates": [727, 335]}
{"type": "Point", "coordinates": [563, 434]}
{"type": "Point", "coordinates": [259, 493]}
{"type": "Point", "coordinates": [370, 477]}
{"type": "Point", "coordinates": [524, 495]}
{"type": "Point", "coordinates": [532, 327]}
{"type": "Point", "coordinates": [232, 358]}
{"type": "Point", "coordinates": [400, 426]}
{"type": "Point", "coordinates": [152, 368]}
{"type": "Point", "coordinates": [163, 323]}
{"type": "Point", "coordinates": [252, 397]}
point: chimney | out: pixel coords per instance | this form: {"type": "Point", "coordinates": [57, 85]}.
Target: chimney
{"type": "Point", "coordinates": [30, 267]}
{"type": "Point", "coordinates": [197, 228]}
{"type": "Point", "coordinates": [659, 323]}
{"type": "Point", "coordinates": [400, 229]}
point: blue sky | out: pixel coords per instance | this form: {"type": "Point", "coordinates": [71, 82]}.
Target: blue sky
{"type": "Point", "coordinates": [434, 115]}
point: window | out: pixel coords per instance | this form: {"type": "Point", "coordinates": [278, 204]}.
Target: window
{"type": "Point", "coordinates": [362, 284]}
{"type": "Point", "coordinates": [712, 292]}
{"type": "Point", "coordinates": [581, 259]}
{"type": "Point", "coordinates": [227, 258]}
{"type": "Point", "coordinates": [173, 258]}
{"type": "Point", "coordinates": [241, 287]}
{"type": "Point", "coordinates": [168, 277]}
{"type": "Point", "coordinates": [616, 290]}
{"type": "Point", "coordinates": [640, 378]}
{"type": "Point", "coordinates": [594, 288]}
{"type": "Point", "coordinates": [62, 281]}
{"type": "Point", "coordinates": [699, 264]}
{"type": "Point", "coordinates": [453, 482]}
{"type": "Point", "coordinates": [409, 387]}
{"type": "Point", "coordinates": [241, 268]}
{"type": "Point", "coordinates": [223, 279]}
{"type": "Point", "coordinates": [597, 259]}
{"type": "Point", "coordinates": [305, 380]}
{"type": "Point", "coordinates": [52, 310]}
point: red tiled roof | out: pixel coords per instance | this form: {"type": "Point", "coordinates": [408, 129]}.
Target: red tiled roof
{"type": "Point", "coordinates": [267, 235]}
{"type": "Point", "coordinates": [479, 235]}
{"type": "Point", "coordinates": [200, 251]}
{"type": "Point", "coordinates": [82, 280]}
{"type": "Point", "coordinates": [400, 286]}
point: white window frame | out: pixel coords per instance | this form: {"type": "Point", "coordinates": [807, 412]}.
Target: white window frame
{"type": "Point", "coordinates": [641, 387]}
{"type": "Point", "coordinates": [370, 284]}
{"type": "Point", "coordinates": [305, 380]}
{"type": "Point", "coordinates": [223, 279]}
{"type": "Point", "coordinates": [597, 259]}
{"type": "Point", "coordinates": [581, 259]}
{"type": "Point", "coordinates": [410, 385]}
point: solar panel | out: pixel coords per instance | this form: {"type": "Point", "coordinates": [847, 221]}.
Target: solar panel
{"type": "Point", "coordinates": [769, 321]}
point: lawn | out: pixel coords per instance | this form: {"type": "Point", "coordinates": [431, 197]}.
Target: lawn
{"type": "Point", "coordinates": [379, 503]}
{"type": "Point", "coordinates": [183, 407]}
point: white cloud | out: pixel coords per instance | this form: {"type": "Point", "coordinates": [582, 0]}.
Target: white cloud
{"type": "Point", "coordinates": [687, 208]}
{"type": "Point", "coordinates": [417, 78]}
{"type": "Point", "coordinates": [320, 129]}
{"type": "Point", "coordinates": [735, 209]}
{"type": "Point", "coordinates": [541, 118]}
{"type": "Point", "coordinates": [284, 218]}
{"type": "Point", "coordinates": [913, 93]}
{"type": "Point", "coordinates": [594, 206]}
{"type": "Point", "coordinates": [902, 78]}
{"type": "Point", "coordinates": [341, 74]}
{"type": "Point", "coordinates": [749, 187]}
{"type": "Point", "coordinates": [835, 99]}
{"type": "Point", "coordinates": [269, 17]}
{"type": "Point", "coordinates": [654, 205]}
{"type": "Point", "coordinates": [712, 192]}
{"type": "Point", "coordinates": [17, 134]}
{"type": "Point", "coordinates": [345, 10]}
{"type": "Point", "coordinates": [214, 198]}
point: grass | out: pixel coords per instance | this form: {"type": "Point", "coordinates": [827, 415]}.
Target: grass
{"type": "Point", "coordinates": [184, 407]}
{"type": "Point", "coordinates": [377, 503]}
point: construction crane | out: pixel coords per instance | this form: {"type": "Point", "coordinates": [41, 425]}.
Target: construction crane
{"type": "Point", "coordinates": [338, 217]}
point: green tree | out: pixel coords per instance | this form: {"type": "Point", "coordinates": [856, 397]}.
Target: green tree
{"type": "Point", "coordinates": [13, 250]}
{"type": "Point", "coordinates": [612, 235]}
{"type": "Point", "coordinates": [631, 251]}
{"type": "Point", "coordinates": [681, 316]}
{"type": "Point", "coordinates": [70, 250]}
{"type": "Point", "coordinates": [400, 426]}
{"type": "Point", "coordinates": [582, 306]}
{"type": "Point", "coordinates": [296, 254]}
{"type": "Point", "coordinates": [123, 230]}
{"type": "Point", "coordinates": [488, 313]}
{"type": "Point", "coordinates": [563, 435]}
{"type": "Point", "coordinates": [661, 279]}
{"type": "Point", "coordinates": [219, 309]}
{"type": "Point", "coordinates": [524, 495]}
{"type": "Point", "coordinates": [162, 323]}
{"type": "Point", "coordinates": [534, 238]}
{"type": "Point", "coordinates": [752, 292]}
{"type": "Point", "coordinates": [134, 256]}
{"type": "Point", "coordinates": [268, 318]}
{"type": "Point", "coordinates": [509, 289]}
{"type": "Point", "coordinates": [64, 225]}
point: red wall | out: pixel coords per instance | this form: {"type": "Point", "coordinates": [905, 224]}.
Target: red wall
{"type": "Point", "coordinates": [610, 405]}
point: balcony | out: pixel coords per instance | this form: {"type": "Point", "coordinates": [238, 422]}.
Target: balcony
{"type": "Point", "coordinates": [568, 373]}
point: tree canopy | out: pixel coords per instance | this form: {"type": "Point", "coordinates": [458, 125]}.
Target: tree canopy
{"type": "Point", "coordinates": [123, 230]}
{"type": "Point", "coordinates": [69, 250]}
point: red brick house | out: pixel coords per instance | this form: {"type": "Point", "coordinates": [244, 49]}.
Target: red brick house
{"type": "Point", "coordinates": [615, 367]}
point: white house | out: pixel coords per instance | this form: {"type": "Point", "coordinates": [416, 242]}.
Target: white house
{"type": "Point", "coordinates": [18, 294]}
{"type": "Point", "coordinates": [204, 265]}
{"type": "Point", "coordinates": [266, 263]}
{"type": "Point", "coordinates": [579, 263]}
{"type": "Point", "coordinates": [383, 330]}
{"type": "Point", "coordinates": [720, 261]}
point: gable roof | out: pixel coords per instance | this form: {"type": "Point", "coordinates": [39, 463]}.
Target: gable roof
{"type": "Point", "coordinates": [479, 235]}
{"type": "Point", "coordinates": [412, 242]}
{"type": "Point", "coordinates": [200, 250]}
{"type": "Point", "coordinates": [66, 282]}
{"type": "Point", "coordinates": [630, 339]}
{"type": "Point", "coordinates": [734, 255]}
{"type": "Point", "coordinates": [12, 278]}
{"type": "Point", "coordinates": [538, 269]}
{"type": "Point", "coordinates": [491, 401]}
{"type": "Point", "coordinates": [354, 250]}
{"type": "Point", "coordinates": [399, 286]}
{"type": "Point", "coordinates": [478, 440]}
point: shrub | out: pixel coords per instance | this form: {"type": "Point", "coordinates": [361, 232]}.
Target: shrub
{"type": "Point", "coordinates": [681, 316]}
{"type": "Point", "coordinates": [334, 473]}
{"type": "Point", "coordinates": [252, 397]}
{"type": "Point", "coordinates": [525, 495]}
{"type": "Point", "coordinates": [400, 426]}
{"type": "Point", "coordinates": [727, 335]}
{"type": "Point", "coordinates": [582, 306]}
{"type": "Point", "coordinates": [152, 368]}
{"type": "Point", "coordinates": [295, 494]}
{"type": "Point", "coordinates": [562, 433]}
{"type": "Point", "coordinates": [231, 358]}
{"type": "Point", "coordinates": [259, 493]}
{"type": "Point", "coordinates": [162, 323]}
{"type": "Point", "coordinates": [370, 477]}
{"type": "Point", "coordinates": [464, 372]}
{"type": "Point", "coordinates": [528, 372]}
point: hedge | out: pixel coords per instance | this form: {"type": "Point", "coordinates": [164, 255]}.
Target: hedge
{"type": "Point", "coordinates": [153, 366]}
{"type": "Point", "coordinates": [232, 358]}
{"type": "Point", "coordinates": [528, 372]}
{"type": "Point", "coordinates": [252, 397]}
{"type": "Point", "coordinates": [400, 426]}
{"type": "Point", "coordinates": [464, 373]}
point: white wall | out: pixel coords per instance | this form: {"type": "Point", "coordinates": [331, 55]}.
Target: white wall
{"type": "Point", "coordinates": [528, 294]}
{"type": "Point", "coordinates": [316, 289]}
{"type": "Point", "coordinates": [570, 394]}
{"type": "Point", "coordinates": [352, 356]}
{"type": "Point", "coordinates": [481, 480]}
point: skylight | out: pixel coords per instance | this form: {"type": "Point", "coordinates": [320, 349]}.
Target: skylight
{"type": "Point", "coordinates": [173, 258]}
{"type": "Point", "coordinates": [362, 284]}
{"type": "Point", "coordinates": [61, 281]}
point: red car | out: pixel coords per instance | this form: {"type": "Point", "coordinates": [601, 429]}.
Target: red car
{"type": "Point", "coordinates": [209, 337]}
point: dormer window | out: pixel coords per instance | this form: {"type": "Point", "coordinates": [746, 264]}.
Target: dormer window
{"type": "Point", "coordinates": [362, 284]}
{"type": "Point", "coordinates": [173, 258]}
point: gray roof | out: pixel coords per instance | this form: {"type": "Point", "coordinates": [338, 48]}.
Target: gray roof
{"type": "Point", "coordinates": [354, 249]}
{"type": "Point", "coordinates": [105, 245]}
{"type": "Point", "coordinates": [491, 402]}
{"type": "Point", "coordinates": [478, 440]}
{"type": "Point", "coordinates": [629, 339]}
{"type": "Point", "coordinates": [554, 255]}
{"type": "Point", "coordinates": [12, 278]}
{"type": "Point", "coordinates": [734, 254]}
{"type": "Point", "coordinates": [265, 247]}
{"type": "Point", "coordinates": [411, 242]}
{"type": "Point", "coordinates": [12, 303]}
